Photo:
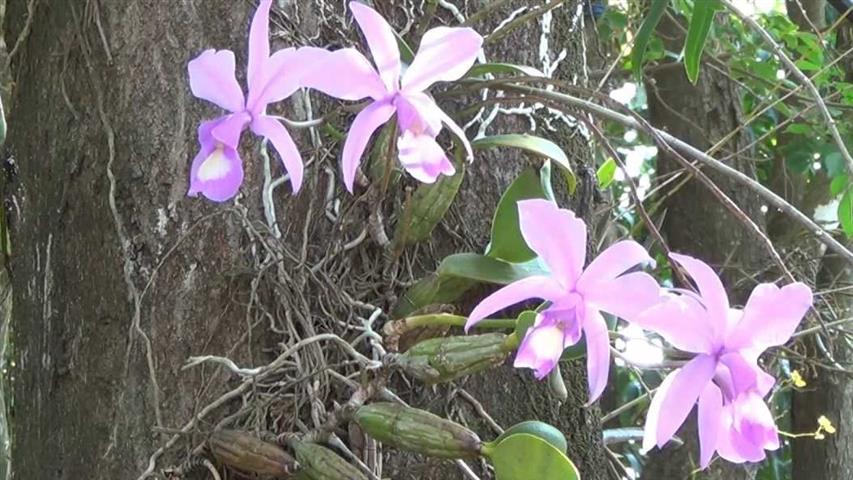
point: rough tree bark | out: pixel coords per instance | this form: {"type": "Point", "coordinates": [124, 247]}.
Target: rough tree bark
{"type": "Point", "coordinates": [694, 220]}
{"type": "Point", "coordinates": [118, 277]}
{"type": "Point", "coordinates": [828, 393]}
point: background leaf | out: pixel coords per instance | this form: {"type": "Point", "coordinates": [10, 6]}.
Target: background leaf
{"type": "Point", "coordinates": [644, 34]}
{"type": "Point", "coordinates": [605, 173]}
{"type": "Point", "coordinates": [845, 212]}
{"type": "Point", "coordinates": [473, 266]}
{"type": "Point", "coordinates": [697, 35]}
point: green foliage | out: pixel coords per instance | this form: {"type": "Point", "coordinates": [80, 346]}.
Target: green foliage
{"type": "Point", "coordinates": [539, 429]}
{"type": "Point", "coordinates": [483, 69]}
{"type": "Point", "coordinates": [845, 212]}
{"type": "Point", "coordinates": [645, 34]}
{"type": "Point", "coordinates": [536, 145]}
{"type": "Point", "coordinates": [605, 173]}
{"type": "Point", "coordinates": [697, 33]}
{"type": "Point", "coordinates": [523, 456]}
{"type": "Point", "coordinates": [507, 242]}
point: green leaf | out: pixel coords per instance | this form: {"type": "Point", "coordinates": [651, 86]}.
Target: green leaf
{"type": "Point", "coordinates": [482, 69]}
{"type": "Point", "coordinates": [417, 296]}
{"type": "Point", "coordinates": [605, 173]}
{"type": "Point", "coordinates": [507, 242]}
{"type": "Point", "coordinates": [533, 144]}
{"type": "Point", "coordinates": [838, 184]}
{"type": "Point", "coordinates": [406, 52]}
{"type": "Point", "coordinates": [644, 34]}
{"type": "Point", "coordinates": [428, 205]}
{"type": "Point", "coordinates": [845, 212]}
{"type": "Point", "coordinates": [523, 456]}
{"type": "Point", "coordinates": [545, 181]}
{"type": "Point", "coordinates": [539, 429]}
{"type": "Point", "coordinates": [697, 34]}
{"type": "Point", "coordinates": [798, 128]}
{"type": "Point", "coordinates": [480, 268]}
{"type": "Point", "coordinates": [525, 320]}
{"type": "Point", "coordinates": [833, 161]}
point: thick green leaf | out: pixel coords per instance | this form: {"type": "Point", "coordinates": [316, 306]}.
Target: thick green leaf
{"type": "Point", "coordinates": [507, 242]}
{"type": "Point", "coordinates": [845, 212]}
{"type": "Point", "coordinates": [428, 205]}
{"type": "Point", "coordinates": [545, 181]}
{"type": "Point", "coordinates": [480, 268]}
{"type": "Point", "coordinates": [697, 34]}
{"type": "Point", "coordinates": [533, 144]}
{"type": "Point", "coordinates": [644, 34]}
{"type": "Point", "coordinates": [838, 184]}
{"type": "Point", "coordinates": [417, 296]}
{"type": "Point", "coordinates": [524, 321]}
{"type": "Point", "coordinates": [523, 456]}
{"type": "Point", "coordinates": [605, 173]}
{"type": "Point", "coordinates": [539, 429]}
{"type": "Point", "coordinates": [482, 69]}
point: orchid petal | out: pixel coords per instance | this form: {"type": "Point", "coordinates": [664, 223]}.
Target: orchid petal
{"type": "Point", "coordinates": [381, 41]}
{"type": "Point", "coordinates": [653, 416]}
{"type": "Point", "coordinates": [212, 78]}
{"type": "Point", "coordinates": [709, 412]}
{"type": "Point", "coordinates": [531, 287]}
{"type": "Point", "coordinates": [612, 262]}
{"type": "Point", "coordinates": [597, 353]}
{"type": "Point", "coordinates": [771, 315]}
{"type": "Point", "coordinates": [280, 76]}
{"type": "Point", "coordinates": [748, 429]}
{"type": "Point", "coordinates": [259, 44]}
{"type": "Point", "coordinates": [365, 123]}
{"type": "Point", "coordinates": [682, 321]}
{"type": "Point", "coordinates": [345, 74]}
{"type": "Point", "coordinates": [216, 170]}
{"type": "Point", "coordinates": [710, 288]}
{"type": "Point", "coordinates": [745, 375]}
{"type": "Point", "coordinates": [283, 144]}
{"type": "Point", "coordinates": [418, 113]}
{"type": "Point", "coordinates": [626, 297]}
{"type": "Point", "coordinates": [540, 350]}
{"type": "Point", "coordinates": [690, 380]}
{"type": "Point", "coordinates": [445, 54]}
{"type": "Point", "coordinates": [556, 235]}
{"type": "Point", "coordinates": [230, 128]}
{"type": "Point", "coordinates": [423, 157]}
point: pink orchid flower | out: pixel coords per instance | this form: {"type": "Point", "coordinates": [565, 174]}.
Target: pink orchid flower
{"type": "Point", "coordinates": [217, 170]}
{"type": "Point", "coordinates": [445, 54]}
{"type": "Point", "coordinates": [577, 295]}
{"type": "Point", "coordinates": [724, 377]}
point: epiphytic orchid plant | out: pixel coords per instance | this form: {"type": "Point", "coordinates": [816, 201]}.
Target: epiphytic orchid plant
{"type": "Point", "coordinates": [577, 296]}
{"type": "Point", "coordinates": [724, 376]}
{"type": "Point", "coordinates": [217, 170]}
{"type": "Point", "coordinates": [445, 54]}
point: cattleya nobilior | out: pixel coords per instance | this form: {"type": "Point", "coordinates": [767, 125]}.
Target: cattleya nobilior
{"type": "Point", "coordinates": [724, 377]}
{"type": "Point", "coordinates": [445, 54]}
{"type": "Point", "coordinates": [577, 296]}
{"type": "Point", "coordinates": [217, 170]}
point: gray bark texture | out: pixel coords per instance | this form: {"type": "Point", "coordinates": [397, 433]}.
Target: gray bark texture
{"type": "Point", "coordinates": [119, 278]}
{"type": "Point", "coordinates": [695, 221]}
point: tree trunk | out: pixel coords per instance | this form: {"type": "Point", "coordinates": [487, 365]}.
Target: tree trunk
{"type": "Point", "coordinates": [119, 278]}
{"type": "Point", "coordinates": [695, 221]}
{"type": "Point", "coordinates": [828, 393]}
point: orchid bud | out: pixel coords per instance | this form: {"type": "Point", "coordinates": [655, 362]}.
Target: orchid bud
{"type": "Point", "coordinates": [417, 431]}
{"type": "Point", "coordinates": [317, 462]}
{"type": "Point", "coordinates": [444, 359]}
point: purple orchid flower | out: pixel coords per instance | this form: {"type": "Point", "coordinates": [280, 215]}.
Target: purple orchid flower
{"type": "Point", "coordinates": [445, 54]}
{"type": "Point", "coordinates": [724, 377]}
{"type": "Point", "coordinates": [217, 170]}
{"type": "Point", "coordinates": [577, 295]}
